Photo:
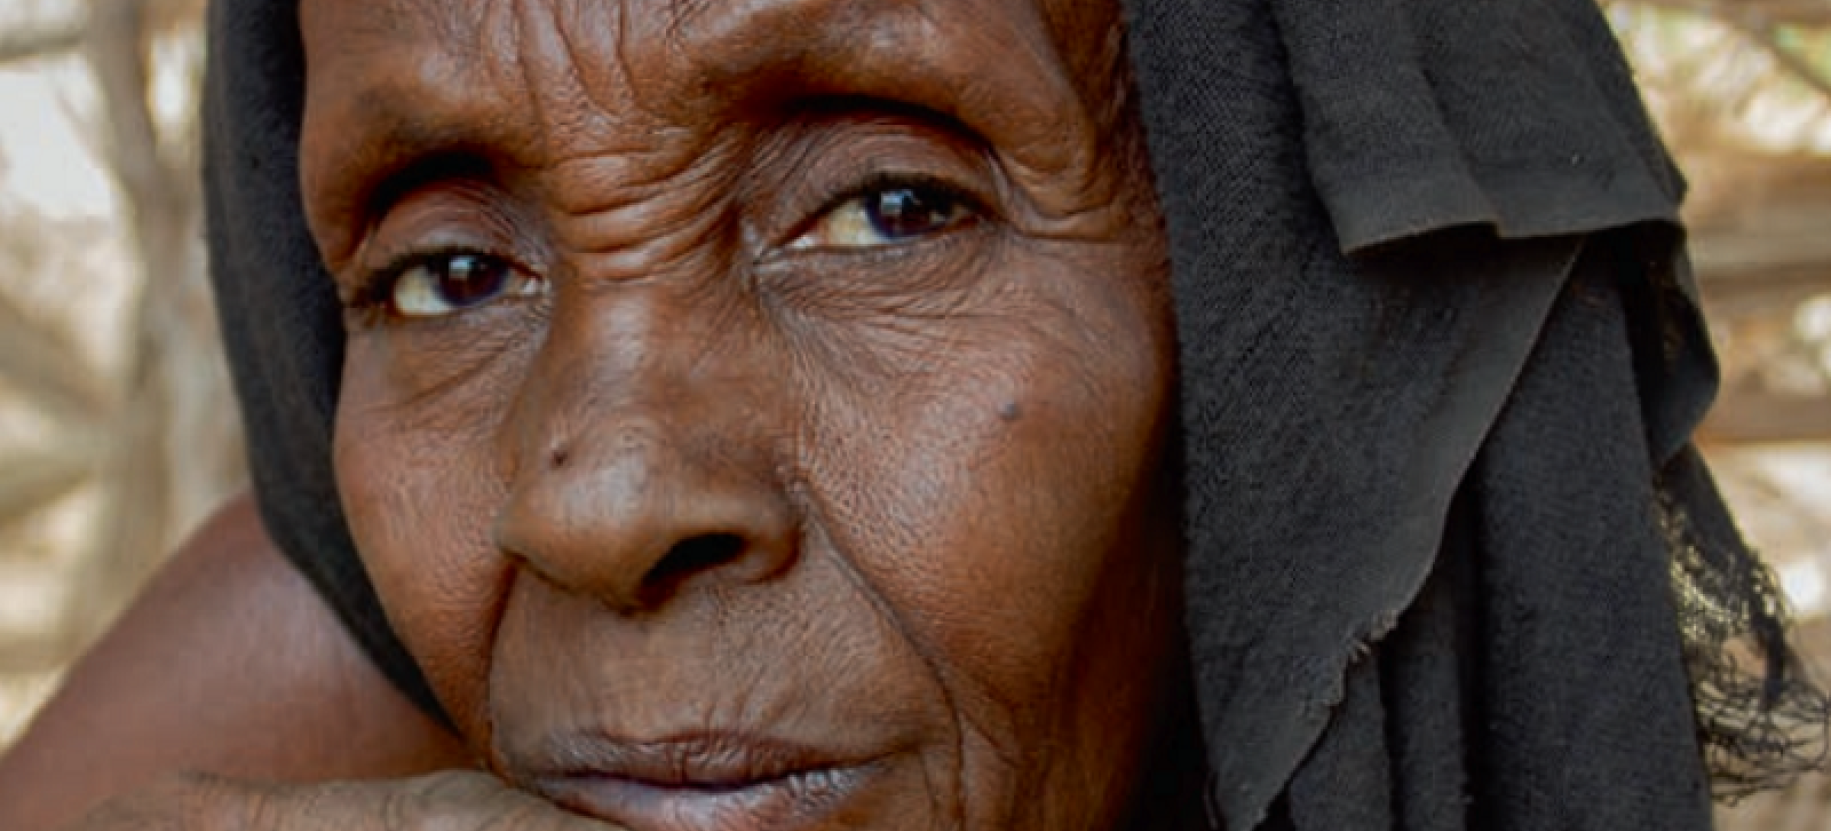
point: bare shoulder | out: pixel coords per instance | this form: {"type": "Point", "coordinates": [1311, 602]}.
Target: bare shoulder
{"type": "Point", "coordinates": [228, 663]}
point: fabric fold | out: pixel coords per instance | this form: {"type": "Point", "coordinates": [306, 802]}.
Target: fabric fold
{"type": "Point", "coordinates": [1582, 696]}
{"type": "Point", "coordinates": [1520, 117]}
{"type": "Point", "coordinates": [1372, 208]}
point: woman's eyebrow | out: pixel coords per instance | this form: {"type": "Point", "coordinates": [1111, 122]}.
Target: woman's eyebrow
{"type": "Point", "coordinates": [356, 172]}
{"type": "Point", "coordinates": [992, 67]}
{"type": "Point", "coordinates": [996, 74]}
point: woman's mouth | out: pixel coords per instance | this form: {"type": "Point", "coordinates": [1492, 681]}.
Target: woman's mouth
{"type": "Point", "coordinates": [718, 782]}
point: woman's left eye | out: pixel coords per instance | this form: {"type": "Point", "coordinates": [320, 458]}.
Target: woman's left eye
{"type": "Point", "coordinates": [441, 284]}
{"type": "Point", "coordinates": [886, 216]}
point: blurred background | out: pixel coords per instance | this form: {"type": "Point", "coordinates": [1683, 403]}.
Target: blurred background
{"type": "Point", "coordinates": [118, 431]}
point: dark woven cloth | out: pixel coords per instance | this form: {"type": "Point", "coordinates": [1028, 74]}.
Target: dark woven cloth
{"type": "Point", "coordinates": [1453, 563]}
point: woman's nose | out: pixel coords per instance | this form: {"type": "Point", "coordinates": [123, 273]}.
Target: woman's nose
{"type": "Point", "coordinates": [624, 513]}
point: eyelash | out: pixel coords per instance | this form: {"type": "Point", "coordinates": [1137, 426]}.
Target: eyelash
{"type": "Point", "coordinates": [881, 182]}
{"type": "Point", "coordinates": [375, 295]}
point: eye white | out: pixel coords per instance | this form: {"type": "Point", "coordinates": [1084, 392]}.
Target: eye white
{"type": "Point", "coordinates": [446, 284]}
{"type": "Point", "coordinates": [885, 217]}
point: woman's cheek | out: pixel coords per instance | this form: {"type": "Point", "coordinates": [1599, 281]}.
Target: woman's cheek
{"type": "Point", "coordinates": [420, 482]}
{"type": "Point", "coordinates": [989, 501]}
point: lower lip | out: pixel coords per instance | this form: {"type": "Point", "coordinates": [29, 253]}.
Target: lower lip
{"type": "Point", "coordinates": [798, 800]}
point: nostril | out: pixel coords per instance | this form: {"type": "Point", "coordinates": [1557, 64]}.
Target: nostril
{"type": "Point", "coordinates": [692, 556]}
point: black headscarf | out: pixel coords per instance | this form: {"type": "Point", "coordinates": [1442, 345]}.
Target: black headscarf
{"type": "Point", "coordinates": [1452, 560]}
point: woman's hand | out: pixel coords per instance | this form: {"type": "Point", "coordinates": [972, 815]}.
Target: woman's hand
{"type": "Point", "coordinates": [448, 801]}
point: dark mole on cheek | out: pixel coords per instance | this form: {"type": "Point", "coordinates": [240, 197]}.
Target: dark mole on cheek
{"type": "Point", "coordinates": [1010, 411]}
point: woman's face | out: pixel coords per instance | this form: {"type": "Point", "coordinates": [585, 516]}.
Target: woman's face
{"type": "Point", "coordinates": [754, 412]}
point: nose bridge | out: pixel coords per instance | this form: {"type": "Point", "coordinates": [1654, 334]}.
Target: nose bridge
{"type": "Point", "coordinates": [630, 478]}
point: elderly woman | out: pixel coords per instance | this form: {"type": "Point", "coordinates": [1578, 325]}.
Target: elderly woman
{"type": "Point", "coordinates": [1028, 414]}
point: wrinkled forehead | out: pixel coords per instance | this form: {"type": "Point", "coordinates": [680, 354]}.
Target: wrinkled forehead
{"type": "Point", "coordinates": [1040, 76]}
{"type": "Point", "coordinates": [715, 31]}
{"type": "Point", "coordinates": [669, 57]}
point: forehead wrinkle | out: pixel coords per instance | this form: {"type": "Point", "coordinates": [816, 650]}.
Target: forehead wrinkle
{"type": "Point", "coordinates": [606, 202]}
{"type": "Point", "coordinates": [629, 244]}
{"type": "Point", "coordinates": [1001, 74]}
{"type": "Point", "coordinates": [617, 218]}
{"type": "Point", "coordinates": [607, 92]}
{"type": "Point", "coordinates": [570, 103]}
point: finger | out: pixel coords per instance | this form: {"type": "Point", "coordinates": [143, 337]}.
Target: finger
{"type": "Point", "coordinates": [457, 799]}
{"type": "Point", "coordinates": [448, 801]}
{"type": "Point", "coordinates": [177, 804]}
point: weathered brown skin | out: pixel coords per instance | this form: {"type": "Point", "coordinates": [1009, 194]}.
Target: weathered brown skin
{"type": "Point", "coordinates": [731, 466]}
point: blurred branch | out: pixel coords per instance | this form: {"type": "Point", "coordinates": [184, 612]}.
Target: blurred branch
{"type": "Point", "coordinates": [1764, 33]}
{"type": "Point", "coordinates": [32, 481]}
{"type": "Point", "coordinates": [38, 363]}
{"type": "Point", "coordinates": [1730, 297]}
{"type": "Point", "coordinates": [1802, 12]}
{"type": "Point", "coordinates": [42, 652]}
{"type": "Point", "coordinates": [34, 42]}
{"type": "Point", "coordinates": [1760, 22]}
{"type": "Point", "coordinates": [1750, 416]}
{"type": "Point", "coordinates": [1783, 12]}
{"type": "Point", "coordinates": [118, 56]}
{"type": "Point", "coordinates": [1747, 272]}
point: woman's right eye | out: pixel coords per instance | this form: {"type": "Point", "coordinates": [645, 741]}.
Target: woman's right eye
{"type": "Point", "coordinates": [435, 285]}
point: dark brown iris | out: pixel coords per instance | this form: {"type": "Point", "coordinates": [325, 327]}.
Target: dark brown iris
{"type": "Point", "coordinates": [463, 280]}
{"type": "Point", "coordinates": [906, 213]}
